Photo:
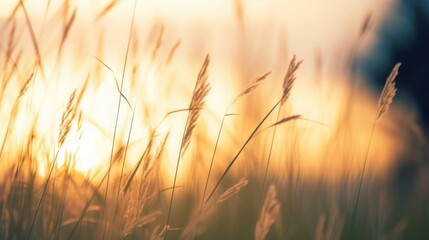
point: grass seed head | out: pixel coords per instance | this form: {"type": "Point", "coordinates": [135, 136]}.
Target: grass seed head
{"type": "Point", "coordinates": [388, 93]}
{"type": "Point", "coordinates": [289, 78]}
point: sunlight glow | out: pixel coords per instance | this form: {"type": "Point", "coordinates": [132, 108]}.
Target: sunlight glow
{"type": "Point", "coordinates": [240, 51]}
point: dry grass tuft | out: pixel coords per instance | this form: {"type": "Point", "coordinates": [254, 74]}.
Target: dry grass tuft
{"type": "Point", "coordinates": [69, 115]}
{"type": "Point", "coordinates": [232, 191]}
{"type": "Point", "coordinates": [252, 86]}
{"type": "Point", "coordinates": [67, 119]}
{"type": "Point", "coordinates": [202, 88]}
{"type": "Point", "coordinates": [286, 119]}
{"type": "Point", "coordinates": [289, 78]}
{"type": "Point", "coordinates": [133, 209]}
{"type": "Point", "coordinates": [388, 92]}
{"type": "Point", "coordinates": [269, 213]}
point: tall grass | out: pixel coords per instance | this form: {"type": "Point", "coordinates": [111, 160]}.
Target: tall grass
{"type": "Point", "coordinates": [384, 102]}
{"type": "Point", "coordinates": [171, 165]}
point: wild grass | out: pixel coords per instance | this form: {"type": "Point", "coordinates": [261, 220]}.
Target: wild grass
{"type": "Point", "coordinates": [384, 102]}
{"type": "Point", "coordinates": [171, 166]}
{"type": "Point", "coordinates": [202, 88]}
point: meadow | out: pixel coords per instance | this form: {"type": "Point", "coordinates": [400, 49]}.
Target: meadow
{"type": "Point", "coordinates": [119, 121]}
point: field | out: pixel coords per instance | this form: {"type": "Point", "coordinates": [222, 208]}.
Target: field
{"type": "Point", "coordinates": [130, 120]}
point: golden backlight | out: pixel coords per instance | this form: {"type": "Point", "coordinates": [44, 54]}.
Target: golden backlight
{"type": "Point", "coordinates": [178, 119]}
{"type": "Point", "coordinates": [245, 39]}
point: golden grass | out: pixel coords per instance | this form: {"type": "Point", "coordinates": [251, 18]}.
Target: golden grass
{"type": "Point", "coordinates": [252, 87]}
{"type": "Point", "coordinates": [202, 88]}
{"type": "Point", "coordinates": [389, 91]}
{"type": "Point", "coordinates": [200, 92]}
{"type": "Point", "coordinates": [131, 196]}
{"type": "Point", "coordinates": [68, 116]}
{"type": "Point", "coordinates": [230, 192]}
{"type": "Point", "coordinates": [270, 212]}
{"type": "Point", "coordinates": [384, 102]}
{"type": "Point", "coordinates": [289, 78]}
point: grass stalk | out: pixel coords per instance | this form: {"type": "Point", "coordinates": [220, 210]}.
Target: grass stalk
{"type": "Point", "coordinates": [249, 89]}
{"type": "Point", "coordinates": [288, 82]}
{"type": "Point", "coordinates": [384, 102]}
{"type": "Point", "coordinates": [267, 166]}
{"type": "Point", "coordinates": [119, 105]}
{"type": "Point", "coordinates": [45, 187]}
{"type": "Point", "coordinates": [234, 159]}
{"type": "Point", "coordinates": [33, 38]}
{"type": "Point", "coordinates": [201, 90]}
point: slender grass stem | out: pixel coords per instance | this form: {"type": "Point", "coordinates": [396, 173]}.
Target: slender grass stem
{"type": "Point", "coordinates": [269, 154]}
{"type": "Point", "coordinates": [170, 206]}
{"type": "Point", "coordinates": [210, 170]}
{"type": "Point", "coordinates": [119, 108]}
{"type": "Point", "coordinates": [123, 167]}
{"type": "Point", "coordinates": [241, 149]}
{"type": "Point", "coordinates": [45, 187]}
{"type": "Point", "coordinates": [201, 89]}
{"type": "Point", "coordinates": [33, 38]}
{"type": "Point", "coordinates": [63, 203]}
{"type": "Point", "coordinates": [361, 178]}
